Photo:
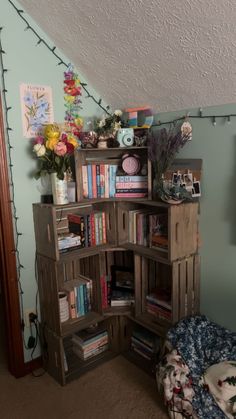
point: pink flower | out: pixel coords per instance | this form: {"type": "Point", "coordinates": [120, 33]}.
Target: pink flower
{"type": "Point", "coordinates": [39, 140]}
{"type": "Point", "coordinates": [60, 149]}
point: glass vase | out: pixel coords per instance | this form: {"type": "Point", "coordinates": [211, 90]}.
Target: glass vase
{"type": "Point", "coordinates": [59, 190]}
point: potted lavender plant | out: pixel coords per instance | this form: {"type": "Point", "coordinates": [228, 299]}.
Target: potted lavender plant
{"type": "Point", "coordinates": [163, 145]}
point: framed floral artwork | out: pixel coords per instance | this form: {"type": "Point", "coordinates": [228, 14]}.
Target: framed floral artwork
{"type": "Point", "coordinates": [36, 108]}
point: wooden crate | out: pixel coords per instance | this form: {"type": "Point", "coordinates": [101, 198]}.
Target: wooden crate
{"type": "Point", "coordinates": [107, 156]}
{"type": "Point", "coordinates": [182, 228]}
{"type": "Point", "coordinates": [51, 220]}
{"type": "Point", "coordinates": [180, 278]}
{"type": "Point", "coordinates": [127, 326]}
{"type": "Point", "coordinates": [64, 365]}
{"type": "Point", "coordinates": [62, 276]}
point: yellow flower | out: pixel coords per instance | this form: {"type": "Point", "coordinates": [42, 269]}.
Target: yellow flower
{"type": "Point", "coordinates": [72, 140]}
{"type": "Point", "coordinates": [51, 142]}
{"type": "Point", "coordinates": [78, 122]}
{"type": "Point", "coordinates": [52, 131]}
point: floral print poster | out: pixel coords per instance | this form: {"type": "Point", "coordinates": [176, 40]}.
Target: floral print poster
{"type": "Point", "coordinates": [36, 108]}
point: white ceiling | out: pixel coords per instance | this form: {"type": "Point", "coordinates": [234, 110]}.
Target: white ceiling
{"type": "Point", "coordinates": [169, 54]}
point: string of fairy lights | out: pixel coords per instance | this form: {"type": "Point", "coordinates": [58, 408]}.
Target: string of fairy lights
{"type": "Point", "coordinates": [17, 233]}
{"type": "Point", "coordinates": [8, 129]}
{"type": "Point", "coordinates": [40, 40]}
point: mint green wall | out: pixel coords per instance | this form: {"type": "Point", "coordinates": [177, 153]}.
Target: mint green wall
{"type": "Point", "coordinates": [216, 145]}
{"type": "Point", "coordinates": [29, 64]}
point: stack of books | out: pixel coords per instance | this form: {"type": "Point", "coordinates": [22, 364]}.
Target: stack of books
{"type": "Point", "coordinates": [158, 303]}
{"type": "Point", "coordinates": [68, 241]}
{"type": "Point", "coordinates": [121, 298]}
{"type": "Point", "coordinates": [87, 344]}
{"type": "Point", "coordinates": [131, 186]}
{"type": "Point", "coordinates": [145, 344]}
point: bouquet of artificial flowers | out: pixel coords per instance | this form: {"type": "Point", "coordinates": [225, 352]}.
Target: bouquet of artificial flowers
{"type": "Point", "coordinates": [53, 150]}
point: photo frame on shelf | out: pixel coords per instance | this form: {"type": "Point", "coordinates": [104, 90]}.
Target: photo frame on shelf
{"type": "Point", "coordinates": [122, 278]}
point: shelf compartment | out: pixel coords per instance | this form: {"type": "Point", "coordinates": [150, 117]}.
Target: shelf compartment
{"type": "Point", "coordinates": [84, 157]}
{"type": "Point", "coordinates": [134, 339]}
{"type": "Point", "coordinates": [155, 280]}
{"type": "Point", "coordinates": [61, 362]}
{"type": "Point", "coordinates": [181, 238]}
{"type": "Point", "coordinates": [117, 276]}
{"type": "Point", "coordinates": [63, 276]}
{"type": "Point", "coordinates": [51, 221]}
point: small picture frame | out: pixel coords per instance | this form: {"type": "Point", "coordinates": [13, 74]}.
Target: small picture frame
{"type": "Point", "coordinates": [122, 278]}
{"type": "Point", "coordinates": [196, 189]}
{"type": "Point", "coordinates": [188, 179]}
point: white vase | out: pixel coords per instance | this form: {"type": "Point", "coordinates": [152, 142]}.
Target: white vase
{"type": "Point", "coordinates": [59, 189]}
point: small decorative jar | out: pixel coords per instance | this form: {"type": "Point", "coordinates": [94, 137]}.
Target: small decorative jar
{"type": "Point", "coordinates": [63, 307]}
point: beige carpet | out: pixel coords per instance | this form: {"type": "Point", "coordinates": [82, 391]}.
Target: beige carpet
{"type": "Point", "coordinates": [114, 390]}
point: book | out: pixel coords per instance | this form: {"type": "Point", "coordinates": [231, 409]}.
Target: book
{"type": "Point", "coordinates": [91, 354]}
{"type": "Point", "coordinates": [72, 304]}
{"type": "Point", "coordinates": [85, 181]}
{"type": "Point", "coordinates": [135, 178]}
{"type": "Point", "coordinates": [89, 335]}
{"type": "Point", "coordinates": [112, 180]}
{"type": "Point", "coordinates": [94, 181]}
{"type": "Point", "coordinates": [90, 345]}
{"type": "Point", "coordinates": [131, 185]}
{"type": "Point", "coordinates": [131, 195]}
{"type": "Point", "coordinates": [98, 181]}
{"type": "Point", "coordinates": [158, 225]}
{"type": "Point", "coordinates": [90, 187]}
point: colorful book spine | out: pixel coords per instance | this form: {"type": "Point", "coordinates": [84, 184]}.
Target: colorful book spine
{"type": "Point", "coordinates": [90, 187]}
{"type": "Point", "coordinates": [130, 195]}
{"type": "Point", "coordinates": [136, 190]}
{"type": "Point", "coordinates": [131, 185]}
{"type": "Point", "coordinates": [72, 304]}
{"type": "Point", "coordinates": [94, 181]}
{"type": "Point", "coordinates": [81, 299]}
{"type": "Point", "coordinates": [96, 222]}
{"type": "Point", "coordinates": [98, 181]}
{"type": "Point", "coordinates": [85, 181]}
{"type": "Point", "coordinates": [92, 229]}
{"type": "Point", "coordinates": [102, 180]}
{"type": "Point", "coordinates": [131, 179]}
{"type": "Point", "coordinates": [107, 186]}
{"type": "Point", "coordinates": [104, 231]}
{"type": "Point", "coordinates": [112, 180]}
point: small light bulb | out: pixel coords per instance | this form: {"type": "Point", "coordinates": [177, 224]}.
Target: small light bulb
{"type": "Point", "coordinates": [214, 121]}
{"type": "Point", "coordinates": [228, 119]}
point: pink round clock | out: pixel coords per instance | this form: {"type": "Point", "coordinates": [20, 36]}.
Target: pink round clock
{"type": "Point", "coordinates": [131, 165]}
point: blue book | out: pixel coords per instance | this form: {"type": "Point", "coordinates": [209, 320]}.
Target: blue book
{"type": "Point", "coordinates": [98, 181]}
{"type": "Point", "coordinates": [81, 299]}
{"type": "Point", "coordinates": [112, 180]}
{"type": "Point", "coordinates": [86, 303]}
{"type": "Point", "coordinates": [90, 184]}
